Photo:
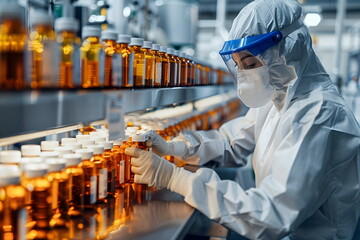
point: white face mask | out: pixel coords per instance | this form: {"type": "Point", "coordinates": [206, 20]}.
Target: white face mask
{"type": "Point", "coordinates": [253, 86]}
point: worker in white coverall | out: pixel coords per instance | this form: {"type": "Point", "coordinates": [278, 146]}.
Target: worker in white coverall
{"type": "Point", "coordinates": [303, 137]}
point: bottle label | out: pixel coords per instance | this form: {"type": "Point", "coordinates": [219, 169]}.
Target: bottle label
{"type": "Point", "coordinates": [48, 71]}
{"type": "Point", "coordinates": [92, 189]}
{"type": "Point", "coordinates": [22, 221]}
{"type": "Point", "coordinates": [122, 172]}
{"type": "Point", "coordinates": [103, 183]}
{"type": "Point", "coordinates": [140, 69]}
{"type": "Point", "coordinates": [158, 74]}
{"type": "Point", "coordinates": [116, 70]}
{"type": "Point", "coordinates": [102, 67]}
{"type": "Point", "coordinates": [131, 69]}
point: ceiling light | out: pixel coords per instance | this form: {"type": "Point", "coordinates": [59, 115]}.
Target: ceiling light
{"type": "Point", "coordinates": [312, 19]}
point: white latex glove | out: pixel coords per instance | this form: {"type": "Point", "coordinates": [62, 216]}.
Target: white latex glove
{"type": "Point", "coordinates": [149, 168]}
{"type": "Point", "coordinates": [162, 147]}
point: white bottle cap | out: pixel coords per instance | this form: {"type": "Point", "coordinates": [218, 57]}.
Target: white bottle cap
{"type": "Point", "coordinates": [170, 51]}
{"type": "Point", "coordinates": [109, 35]}
{"type": "Point", "coordinates": [9, 175]}
{"type": "Point", "coordinates": [177, 53]}
{"type": "Point", "coordinates": [65, 141]}
{"type": "Point", "coordinates": [137, 42]}
{"type": "Point", "coordinates": [85, 153]}
{"type": "Point", "coordinates": [74, 146]}
{"type": "Point", "coordinates": [30, 150]}
{"type": "Point", "coordinates": [55, 164]}
{"type": "Point", "coordinates": [32, 160]}
{"type": "Point", "coordinates": [96, 148]}
{"type": "Point", "coordinates": [82, 137]}
{"type": "Point", "coordinates": [40, 18]}
{"type": "Point", "coordinates": [91, 31]}
{"type": "Point", "coordinates": [155, 47]}
{"type": "Point", "coordinates": [63, 150]}
{"type": "Point", "coordinates": [98, 139]}
{"type": "Point", "coordinates": [35, 170]}
{"type": "Point", "coordinates": [147, 44]}
{"type": "Point", "coordinates": [163, 49]}
{"type": "Point", "coordinates": [11, 156]}
{"type": "Point", "coordinates": [95, 134]}
{"type": "Point", "coordinates": [46, 155]}
{"type": "Point", "coordinates": [118, 142]}
{"type": "Point", "coordinates": [72, 159]}
{"type": "Point", "coordinates": [49, 145]}
{"type": "Point", "coordinates": [106, 144]}
{"type": "Point", "coordinates": [123, 39]}
{"type": "Point", "coordinates": [66, 24]}
{"type": "Point", "coordinates": [86, 143]}
{"type": "Point", "coordinates": [138, 137]}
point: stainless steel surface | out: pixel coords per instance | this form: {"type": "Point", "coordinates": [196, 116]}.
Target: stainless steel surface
{"type": "Point", "coordinates": [32, 111]}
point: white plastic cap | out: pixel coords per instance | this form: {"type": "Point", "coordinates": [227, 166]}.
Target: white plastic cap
{"type": "Point", "coordinates": [65, 141]}
{"type": "Point", "coordinates": [95, 134]}
{"type": "Point", "coordinates": [86, 143]}
{"type": "Point", "coordinates": [27, 160]}
{"type": "Point", "coordinates": [177, 53]}
{"type": "Point", "coordinates": [147, 44]}
{"type": "Point", "coordinates": [118, 142]}
{"type": "Point", "coordinates": [40, 18]}
{"type": "Point", "coordinates": [72, 159]}
{"type": "Point", "coordinates": [96, 148]}
{"type": "Point", "coordinates": [9, 175]}
{"type": "Point", "coordinates": [123, 39]}
{"type": "Point", "coordinates": [155, 47]}
{"type": "Point", "coordinates": [98, 139]}
{"type": "Point", "coordinates": [74, 146]}
{"type": "Point", "coordinates": [63, 150]}
{"type": "Point", "coordinates": [91, 31]}
{"type": "Point", "coordinates": [107, 145]}
{"type": "Point", "coordinates": [170, 51]}
{"type": "Point", "coordinates": [82, 137]}
{"type": "Point", "coordinates": [163, 49]}
{"type": "Point", "coordinates": [66, 24]}
{"type": "Point", "coordinates": [11, 156]}
{"type": "Point", "coordinates": [109, 35]}
{"type": "Point", "coordinates": [35, 170]}
{"type": "Point", "coordinates": [55, 164]}
{"type": "Point", "coordinates": [85, 153]}
{"type": "Point", "coordinates": [30, 150]}
{"type": "Point", "coordinates": [137, 42]}
{"type": "Point", "coordinates": [46, 155]}
{"type": "Point", "coordinates": [49, 145]}
{"type": "Point", "coordinates": [138, 137]}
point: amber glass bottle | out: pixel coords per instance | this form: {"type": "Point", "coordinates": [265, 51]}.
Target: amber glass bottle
{"type": "Point", "coordinates": [184, 70]}
{"type": "Point", "coordinates": [149, 64]}
{"type": "Point", "coordinates": [110, 65]}
{"type": "Point", "coordinates": [139, 62]}
{"type": "Point", "coordinates": [165, 67]}
{"type": "Point", "coordinates": [158, 64]}
{"type": "Point", "coordinates": [126, 61]}
{"type": "Point", "coordinates": [120, 163]}
{"type": "Point", "coordinates": [111, 165]}
{"type": "Point", "coordinates": [173, 67]}
{"type": "Point", "coordinates": [178, 62]}
{"type": "Point", "coordinates": [101, 172]}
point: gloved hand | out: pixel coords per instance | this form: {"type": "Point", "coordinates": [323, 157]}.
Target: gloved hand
{"type": "Point", "coordinates": [149, 168]}
{"type": "Point", "coordinates": [162, 147]}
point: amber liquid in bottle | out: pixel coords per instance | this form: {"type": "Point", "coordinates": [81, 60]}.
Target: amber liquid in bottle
{"type": "Point", "coordinates": [66, 40]}
{"type": "Point", "coordinates": [102, 174]}
{"type": "Point", "coordinates": [126, 65]}
{"type": "Point", "coordinates": [127, 160]}
{"type": "Point", "coordinates": [90, 63]}
{"type": "Point", "coordinates": [12, 54]}
{"type": "Point", "coordinates": [90, 188]}
{"type": "Point", "coordinates": [184, 72]}
{"type": "Point", "coordinates": [111, 165]}
{"type": "Point", "coordinates": [59, 205]}
{"type": "Point", "coordinates": [12, 212]}
{"type": "Point", "coordinates": [191, 73]}
{"type": "Point", "coordinates": [149, 67]}
{"type": "Point", "coordinates": [178, 70]}
{"type": "Point", "coordinates": [75, 192]}
{"type": "Point", "coordinates": [173, 70]}
{"type": "Point", "coordinates": [165, 69]}
{"type": "Point", "coordinates": [120, 165]}
{"type": "Point", "coordinates": [110, 51]}
{"type": "Point", "coordinates": [139, 66]}
{"type": "Point", "coordinates": [157, 67]}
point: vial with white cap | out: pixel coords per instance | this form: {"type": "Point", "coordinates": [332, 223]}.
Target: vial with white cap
{"type": "Point", "coordinates": [111, 165]}
{"type": "Point", "coordinates": [86, 143]}
{"type": "Point", "coordinates": [82, 137]}
{"type": "Point", "coordinates": [149, 64]}
{"type": "Point", "coordinates": [76, 183]}
{"type": "Point", "coordinates": [101, 171]}
{"type": "Point", "coordinates": [10, 157]}
{"type": "Point", "coordinates": [30, 150]}
{"type": "Point", "coordinates": [98, 139]}
{"type": "Point", "coordinates": [49, 145]}
{"type": "Point", "coordinates": [64, 150]}
{"type": "Point", "coordinates": [138, 141]}
{"type": "Point", "coordinates": [13, 215]}
{"type": "Point", "coordinates": [191, 70]}
{"type": "Point", "coordinates": [158, 64]}
{"type": "Point", "coordinates": [165, 67]}
{"type": "Point", "coordinates": [127, 61]}
{"type": "Point", "coordinates": [37, 194]}
{"type": "Point", "coordinates": [67, 141]}
{"type": "Point", "coordinates": [178, 61]}
{"type": "Point", "coordinates": [75, 146]}
{"type": "Point", "coordinates": [66, 28]}
{"type": "Point", "coordinates": [112, 60]}
{"type": "Point", "coordinates": [13, 43]}
{"type": "Point", "coordinates": [173, 67]}
{"type": "Point", "coordinates": [58, 187]}
{"type": "Point", "coordinates": [42, 51]}
{"type": "Point", "coordinates": [139, 62]}
{"type": "Point", "coordinates": [184, 70]}
{"type": "Point", "coordinates": [90, 52]}
{"type": "Point", "coordinates": [90, 186]}
{"type": "Point", "coordinates": [120, 159]}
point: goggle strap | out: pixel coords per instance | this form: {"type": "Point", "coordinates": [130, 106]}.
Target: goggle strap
{"type": "Point", "coordinates": [292, 27]}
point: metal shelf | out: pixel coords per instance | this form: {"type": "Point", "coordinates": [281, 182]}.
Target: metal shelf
{"type": "Point", "coordinates": [26, 112]}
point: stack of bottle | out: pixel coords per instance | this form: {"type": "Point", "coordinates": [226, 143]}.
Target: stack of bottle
{"type": "Point", "coordinates": [57, 58]}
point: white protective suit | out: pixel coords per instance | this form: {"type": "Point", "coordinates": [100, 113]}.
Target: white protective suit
{"type": "Point", "coordinates": [305, 146]}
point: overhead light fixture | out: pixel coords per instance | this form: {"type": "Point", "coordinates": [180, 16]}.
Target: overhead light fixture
{"type": "Point", "coordinates": [126, 11]}
{"type": "Point", "coordinates": [312, 19]}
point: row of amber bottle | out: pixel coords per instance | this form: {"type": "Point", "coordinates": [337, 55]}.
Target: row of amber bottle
{"type": "Point", "coordinates": [48, 58]}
